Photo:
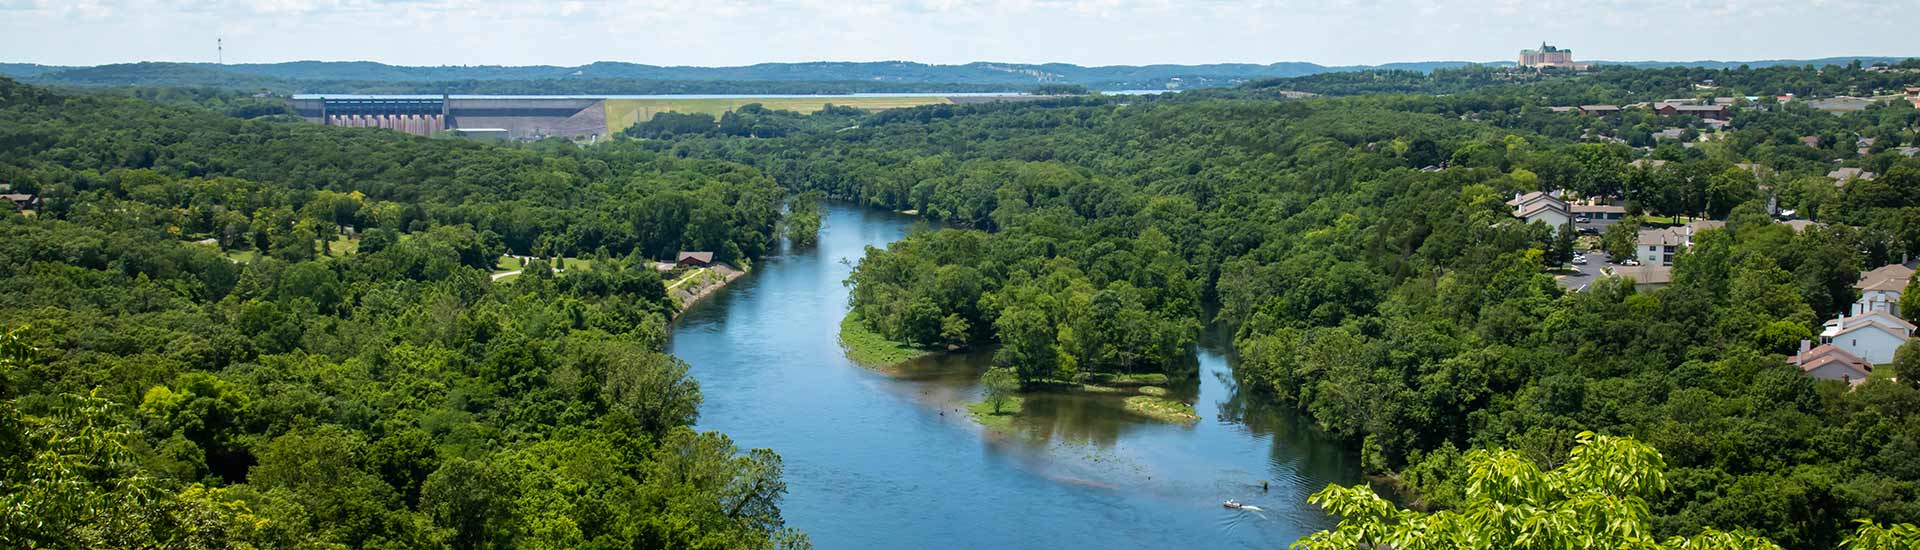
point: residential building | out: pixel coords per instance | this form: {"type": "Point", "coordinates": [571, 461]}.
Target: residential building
{"type": "Point", "coordinates": [1841, 176]}
{"type": "Point", "coordinates": [1647, 163]}
{"type": "Point", "coordinates": [1830, 362]}
{"type": "Point", "coordinates": [1645, 277]}
{"type": "Point", "coordinates": [1599, 212]}
{"type": "Point", "coordinates": [1873, 336]}
{"type": "Point", "coordinates": [1659, 246]}
{"type": "Point", "coordinates": [1716, 112]}
{"type": "Point", "coordinates": [1543, 208]}
{"type": "Point", "coordinates": [22, 201]}
{"type": "Point", "coordinates": [1880, 289]}
{"type": "Point", "coordinates": [1599, 110]}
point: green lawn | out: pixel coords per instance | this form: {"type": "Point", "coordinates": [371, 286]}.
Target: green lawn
{"type": "Point", "coordinates": [341, 246]}
{"type": "Point", "coordinates": [241, 256]}
{"type": "Point", "coordinates": [870, 349]}
{"type": "Point", "coordinates": [510, 263]}
{"type": "Point", "coordinates": [983, 413]}
{"type": "Point", "coordinates": [506, 263]}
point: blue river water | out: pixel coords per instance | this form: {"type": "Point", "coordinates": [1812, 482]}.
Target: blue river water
{"type": "Point", "coordinates": [886, 461]}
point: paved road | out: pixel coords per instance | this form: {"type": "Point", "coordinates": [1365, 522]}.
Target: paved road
{"type": "Point", "coordinates": [1587, 273]}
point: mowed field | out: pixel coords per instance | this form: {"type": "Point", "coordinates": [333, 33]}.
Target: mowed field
{"type": "Point", "coordinates": [624, 113]}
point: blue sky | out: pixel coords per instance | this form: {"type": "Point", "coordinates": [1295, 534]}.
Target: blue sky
{"type": "Point", "coordinates": [1087, 32]}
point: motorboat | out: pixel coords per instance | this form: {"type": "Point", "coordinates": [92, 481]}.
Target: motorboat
{"type": "Point", "coordinates": [1233, 504]}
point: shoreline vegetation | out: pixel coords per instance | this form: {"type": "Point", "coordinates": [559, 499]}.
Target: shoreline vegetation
{"type": "Point", "coordinates": [870, 349]}
{"type": "Point", "coordinates": [1162, 409]}
{"type": "Point", "coordinates": [700, 283]}
{"type": "Point", "coordinates": [982, 413]}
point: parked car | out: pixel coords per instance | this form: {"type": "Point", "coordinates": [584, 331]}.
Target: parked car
{"type": "Point", "coordinates": [1581, 219]}
{"type": "Point", "coordinates": [1579, 260]}
{"type": "Point", "coordinates": [1630, 261]}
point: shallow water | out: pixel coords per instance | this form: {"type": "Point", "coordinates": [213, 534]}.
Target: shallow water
{"type": "Point", "coordinates": [879, 461]}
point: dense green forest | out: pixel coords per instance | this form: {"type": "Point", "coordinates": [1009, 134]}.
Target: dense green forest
{"type": "Point", "coordinates": [190, 361]}
{"type": "Point", "coordinates": [1363, 250]}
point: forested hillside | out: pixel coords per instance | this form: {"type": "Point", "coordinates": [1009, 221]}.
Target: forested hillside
{"type": "Point", "coordinates": [1365, 253]}
{"type": "Point", "coordinates": [232, 333]}
{"type": "Point", "coordinates": [1617, 83]}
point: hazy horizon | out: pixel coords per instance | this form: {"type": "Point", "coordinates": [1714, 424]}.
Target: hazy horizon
{"type": "Point", "coordinates": [938, 32]}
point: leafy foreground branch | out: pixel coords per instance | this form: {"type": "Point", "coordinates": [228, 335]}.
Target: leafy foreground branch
{"type": "Point", "coordinates": [1598, 499]}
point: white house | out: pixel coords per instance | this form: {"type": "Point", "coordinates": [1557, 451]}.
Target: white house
{"type": "Point", "coordinates": [1543, 208]}
{"type": "Point", "coordinates": [1658, 246]}
{"type": "Point", "coordinates": [1880, 289]}
{"type": "Point", "coordinates": [1872, 336]}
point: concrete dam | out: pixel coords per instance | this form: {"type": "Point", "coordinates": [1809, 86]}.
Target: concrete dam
{"type": "Point", "coordinates": [572, 117]}
{"type": "Point", "coordinates": [519, 118]}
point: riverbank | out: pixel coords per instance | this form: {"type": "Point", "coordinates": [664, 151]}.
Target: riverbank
{"type": "Point", "coordinates": [701, 283]}
{"type": "Point", "coordinates": [870, 349]}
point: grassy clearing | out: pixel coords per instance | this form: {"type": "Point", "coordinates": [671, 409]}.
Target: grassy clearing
{"type": "Point", "coordinates": [1162, 409]}
{"type": "Point", "coordinates": [241, 256]}
{"type": "Point", "coordinates": [624, 113]}
{"type": "Point", "coordinates": [342, 246]}
{"type": "Point", "coordinates": [506, 263]}
{"type": "Point", "coordinates": [1155, 391]}
{"type": "Point", "coordinates": [695, 275]}
{"type": "Point", "coordinates": [983, 413]}
{"type": "Point", "coordinates": [870, 349]}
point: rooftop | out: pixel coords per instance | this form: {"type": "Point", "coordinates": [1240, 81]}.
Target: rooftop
{"type": "Point", "coordinates": [1888, 277]}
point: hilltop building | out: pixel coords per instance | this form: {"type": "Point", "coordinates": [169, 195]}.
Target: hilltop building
{"type": "Point", "coordinates": [1548, 56]}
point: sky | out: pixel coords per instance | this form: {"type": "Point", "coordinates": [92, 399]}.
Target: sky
{"type": "Point", "coordinates": [1085, 32]}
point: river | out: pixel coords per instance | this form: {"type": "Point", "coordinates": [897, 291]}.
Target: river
{"type": "Point", "coordinates": [879, 461]}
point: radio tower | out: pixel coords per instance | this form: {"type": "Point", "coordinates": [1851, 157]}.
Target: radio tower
{"type": "Point", "coordinates": [219, 51]}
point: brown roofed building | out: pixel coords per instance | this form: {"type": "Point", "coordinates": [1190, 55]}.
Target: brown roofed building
{"type": "Point", "coordinates": [1599, 110]}
{"type": "Point", "coordinates": [1716, 112]}
{"type": "Point", "coordinates": [1880, 289]}
{"type": "Point", "coordinates": [694, 259]}
{"type": "Point", "coordinates": [22, 201]}
{"type": "Point", "coordinates": [1829, 362]}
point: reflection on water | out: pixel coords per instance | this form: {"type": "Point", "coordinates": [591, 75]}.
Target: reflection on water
{"type": "Point", "coordinates": [891, 460]}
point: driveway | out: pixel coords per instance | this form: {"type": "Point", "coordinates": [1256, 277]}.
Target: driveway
{"type": "Point", "coordinates": [1586, 273]}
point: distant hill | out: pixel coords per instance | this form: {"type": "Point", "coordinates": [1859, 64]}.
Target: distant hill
{"type": "Point", "coordinates": [24, 70]}
{"type": "Point", "coordinates": [841, 77]}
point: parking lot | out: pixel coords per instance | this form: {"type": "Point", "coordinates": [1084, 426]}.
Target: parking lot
{"type": "Point", "coordinates": [1585, 274]}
